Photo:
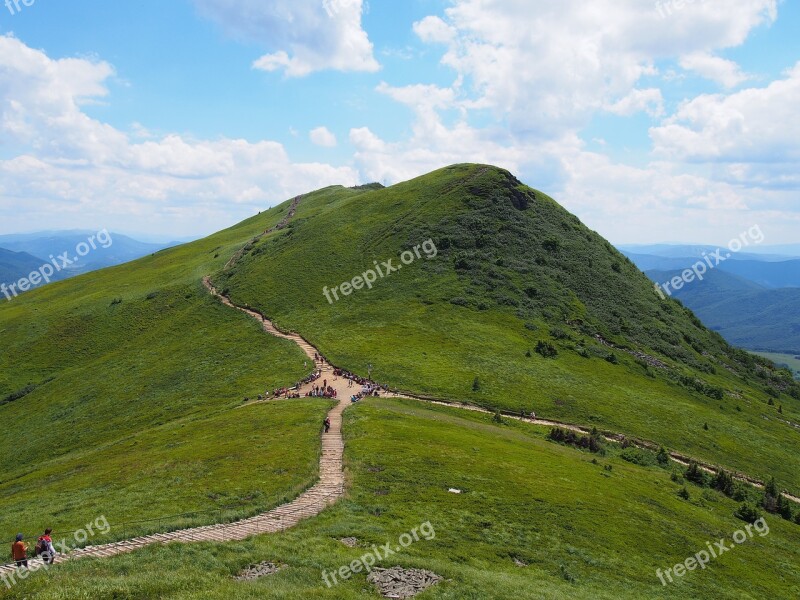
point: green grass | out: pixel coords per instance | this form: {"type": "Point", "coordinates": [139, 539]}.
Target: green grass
{"type": "Point", "coordinates": [585, 530]}
{"type": "Point", "coordinates": [123, 390]}
{"type": "Point", "coordinates": [505, 279]}
{"type": "Point", "coordinates": [132, 376]}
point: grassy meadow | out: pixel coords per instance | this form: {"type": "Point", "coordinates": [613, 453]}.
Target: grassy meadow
{"type": "Point", "coordinates": [118, 390]}
{"type": "Point", "coordinates": [584, 526]}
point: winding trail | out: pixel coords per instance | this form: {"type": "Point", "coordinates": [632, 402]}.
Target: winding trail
{"type": "Point", "coordinates": [331, 484]}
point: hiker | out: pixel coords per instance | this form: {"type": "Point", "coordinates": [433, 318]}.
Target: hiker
{"type": "Point", "coordinates": [327, 424]}
{"type": "Point", "coordinates": [45, 549]}
{"type": "Point", "coordinates": [19, 552]}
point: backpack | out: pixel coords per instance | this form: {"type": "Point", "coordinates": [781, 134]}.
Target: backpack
{"type": "Point", "coordinates": [41, 547]}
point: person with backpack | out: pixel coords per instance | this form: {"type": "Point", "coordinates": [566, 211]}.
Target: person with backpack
{"type": "Point", "coordinates": [327, 424]}
{"type": "Point", "coordinates": [45, 548]}
{"type": "Point", "coordinates": [19, 552]}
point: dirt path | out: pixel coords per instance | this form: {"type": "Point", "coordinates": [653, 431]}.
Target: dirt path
{"type": "Point", "coordinates": [327, 490]}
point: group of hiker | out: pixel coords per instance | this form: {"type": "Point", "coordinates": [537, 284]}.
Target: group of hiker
{"type": "Point", "coordinates": [368, 389]}
{"type": "Point", "coordinates": [322, 391]}
{"type": "Point", "coordinates": [353, 379]}
{"type": "Point", "coordinates": [44, 548]}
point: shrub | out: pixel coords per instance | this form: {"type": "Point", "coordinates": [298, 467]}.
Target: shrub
{"type": "Point", "coordinates": [639, 457]}
{"type": "Point", "coordinates": [552, 245]}
{"type": "Point", "coordinates": [696, 475]}
{"type": "Point", "coordinates": [662, 458]}
{"type": "Point", "coordinates": [476, 385]}
{"type": "Point", "coordinates": [747, 512]}
{"type": "Point", "coordinates": [546, 349]}
{"type": "Point", "coordinates": [592, 442]}
{"type": "Point", "coordinates": [723, 482]}
{"type": "Point", "coordinates": [684, 493]}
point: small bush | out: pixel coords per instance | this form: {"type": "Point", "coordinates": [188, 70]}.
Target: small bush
{"type": "Point", "coordinates": [696, 475]}
{"type": "Point", "coordinates": [546, 349]}
{"type": "Point", "coordinates": [747, 512]}
{"type": "Point", "coordinates": [684, 493]}
{"type": "Point", "coordinates": [639, 457]}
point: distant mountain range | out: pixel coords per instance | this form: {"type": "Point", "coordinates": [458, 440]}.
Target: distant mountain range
{"type": "Point", "coordinates": [22, 254]}
{"type": "Point", "coordinates": [14, 265]}
{"type": "Point", "coordinates": [752, 299]}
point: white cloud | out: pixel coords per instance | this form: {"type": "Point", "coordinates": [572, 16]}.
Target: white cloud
{"type": "Point", "coordinates": [305, 35]}
{"type": "Point", "coordinates": [547, 67]}
{"type": "Point", "coordinates": [753, 134]}
{"type": "Point", "coordinates": [432, 29]}
{"type": "Point", "coordinates": [650, 101]}
{"type": "Point", "coordinates": [322, 136]}
{"type": "Point", "coordinates": [67, 169]}
{"type": "Point", "coordinates": [714, 68]}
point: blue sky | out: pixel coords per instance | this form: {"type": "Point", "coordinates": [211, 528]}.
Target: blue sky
{"type": "Point", "coordinates": [179, 118]}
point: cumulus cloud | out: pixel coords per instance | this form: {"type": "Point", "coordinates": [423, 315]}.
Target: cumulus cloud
{"type": "Point", "coordinates": [548, 67]}
{"type": "Point", "coordinates": [753, 132]}
{"type": "Point", "coordinates": [433, 29]}
{"type": "Point", "coordinates": [725, 72]}
{"type": "Point", "coordinates": [650, 101]}
{"type": "Point", "coordinates": [79, 168]}
{"type": "Point", "coordinates": [322, 136]}
{"type": "Point", "coordinates": [304, 36]}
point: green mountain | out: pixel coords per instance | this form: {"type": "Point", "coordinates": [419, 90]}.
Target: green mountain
{"type": "Point", "coordinates": [746, 314]}
{"type": "Point", "coordinates": [123, 393]}
{"type": "Point", "coordinates": [513, 271]}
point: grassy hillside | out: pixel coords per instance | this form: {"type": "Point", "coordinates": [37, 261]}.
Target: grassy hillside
{"type": "Point", "coordinates": [513, 272]}
{"type": "Point", "coordinates": [580, 526]}
{"type": "Point", "coordinates": [746, 314]}
{"type": "Point", "coordinates": [118, 392]}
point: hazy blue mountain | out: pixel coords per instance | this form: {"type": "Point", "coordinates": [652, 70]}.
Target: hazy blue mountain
{"type": "Point", "coordinates": [750, 252]}
{"type": "Point", "coordinates": [16, 265]}
{"type": "Point", "coordinates": [769, 274]}
{"type": "Point", "coordinates": [745, 313]}
{"type": "Point", "coordinates": [54, 243]}
{"type": "Point", "coordinates": [767, 270]}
